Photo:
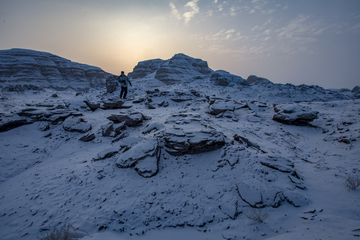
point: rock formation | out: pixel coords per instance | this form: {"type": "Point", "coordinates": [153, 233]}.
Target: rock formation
{"type": "Point", "coordinates": [22, 66]}
{"type": "Point", "coordinates": [223, 78]}
{"type": "Point", "coordinates": [178, 69]}
{"type": "Point", "coordinates": [255, 80]}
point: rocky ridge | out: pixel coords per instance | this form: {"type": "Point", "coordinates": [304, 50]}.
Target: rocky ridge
{"type": "Point", "coordinates": [19, 67]}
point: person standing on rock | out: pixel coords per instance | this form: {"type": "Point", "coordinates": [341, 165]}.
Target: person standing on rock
{"type": "Point", "coordinates": [124, 81]}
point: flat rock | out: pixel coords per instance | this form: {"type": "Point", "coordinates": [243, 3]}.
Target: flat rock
{"type": "Point", "coordinates": [131, 119]}
{"type": "Point", "coordinates": [75, 124]}
{"type": "Point", "coordinates": [293, 114]}
{"type": "Point", "coordinates": [189, 136]}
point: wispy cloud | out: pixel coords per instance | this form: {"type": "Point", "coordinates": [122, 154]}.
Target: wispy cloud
{"type": "Point", "coordinates": [300, 29]}
{"type": "Point", "coordinates": [194, 9]}
{"type": "Point", "coordinates": [174, 11]}
{"type": "Point", "coordinates": [222, 35]}
{"type": "Point", "coordinates": [191, 7]}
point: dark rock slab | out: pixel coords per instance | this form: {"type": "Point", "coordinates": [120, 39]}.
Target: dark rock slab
{"type": "Point", "coordinates": [75, 124]}
{"type": "Point", "coordinates": [130, 119]}
{"type": "Point", "coordinates": [292, 114]}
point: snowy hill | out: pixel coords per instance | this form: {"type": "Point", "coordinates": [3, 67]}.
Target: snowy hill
{"type": "Point", "coordinates": [191, 160]}
{"type": "Point", "coordinates": [41, 69]}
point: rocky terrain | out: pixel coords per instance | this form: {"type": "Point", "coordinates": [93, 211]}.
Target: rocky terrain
{"type": "Point", "coordinates": [197, 154]}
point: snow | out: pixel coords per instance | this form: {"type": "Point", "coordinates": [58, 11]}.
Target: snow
{"type": "Point", "coordinates": [48, 177]}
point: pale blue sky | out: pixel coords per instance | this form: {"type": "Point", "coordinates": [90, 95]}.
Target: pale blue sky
{"type": "Point", "coordinates": [287, 41]}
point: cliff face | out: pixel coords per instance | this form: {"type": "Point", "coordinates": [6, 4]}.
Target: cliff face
{"type": "Point", "coordinates": [22, 66]}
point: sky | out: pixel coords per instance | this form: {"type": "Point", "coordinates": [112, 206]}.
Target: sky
{"type": "Point", "coordinates": [314, 42]}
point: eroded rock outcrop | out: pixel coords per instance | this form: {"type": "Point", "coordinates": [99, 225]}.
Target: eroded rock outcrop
{"type": "Point", "coordinates": [184, 138]}
{"type": "Point", "coordinates": [132, 119]}
{"type": "Point", "coordinates": [178, 69]}
{"type": "Point", "coordinates": [293, 114]}
{"type": "Point", "coordinates": [223, 78]}
{"type": "Point", "coordinates": [22, 66]}
{"type": "Point", "coordinates": [255, 80]}
{"type": "Point", "coordinates": [144, 156]}
{"type": "Point", "coordinates": [76, 124]}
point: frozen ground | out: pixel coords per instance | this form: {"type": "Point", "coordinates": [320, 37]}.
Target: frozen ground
{"type": "Point", "coordinates": [294, 173]}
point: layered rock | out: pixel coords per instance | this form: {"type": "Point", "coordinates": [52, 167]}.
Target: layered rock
{"type": "Point", "coordinates": [189, 135]}
{"type": "Point", "coordinates": [293, 114]}
{"type": "Point", "coordinates": [255, 80]}
{"type": "Point", "coordinates": [24, 67]}
{"type": "Point", "coordinates": [223, 78]}
{"type": "Point", "coordinates": [175, 70]}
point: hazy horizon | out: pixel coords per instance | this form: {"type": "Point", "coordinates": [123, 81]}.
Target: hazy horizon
{"type": "Point", "coordinates": [311, 42]}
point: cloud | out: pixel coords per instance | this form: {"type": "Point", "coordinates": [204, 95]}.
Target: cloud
{"type": "Point", "coordinates": [301, 29]}
{"type": "Point", "coordinates": [174, 11]}
{"type": "Point", "coordinates": [187, 16]}
{"type": "Point", "coordinates": [194, 9]}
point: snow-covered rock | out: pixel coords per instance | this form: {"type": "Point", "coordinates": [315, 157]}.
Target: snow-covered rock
{"type": "Point", "coordinates": [224, 78]}
{"type": "Point", "coordinates": [294, 114]}
{"type": "Point", "coordinates": [76, 124]}
{"type": "Point", "coordinates": [255, 80]}
{"type": "Point", "coordinates": [111, 84]}
{"type": "Point", "coordinates": [179, 68]}
{"type": "Point", "coordinates": [132, 119]}
{"type": "Point", "coordinates": [22, 66]}
{"type": "Point", "coordinates": [188, 168]}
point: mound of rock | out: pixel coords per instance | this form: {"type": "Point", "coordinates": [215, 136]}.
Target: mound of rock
{"type": "Point", "coordinates": [75, 124]}
{"type": "Point", "coordinates": [22, 66]}
{"type": "Point", "coordinates": [144, 156]}
{"type": "Point", "coordinates": [223, 78]}
{"type": "Point", "coordinates": [132, 119]}
{"type": "Point", "coordinates": [293, 114]}
{"type": "Point", "coordinates": [189, 135]}
{"type": "Point", "coordinates": [111, 84]}
{"type": "Point", "coordinates": [255, 80]}
{"type": "Point", "coordinates": [175, 70]}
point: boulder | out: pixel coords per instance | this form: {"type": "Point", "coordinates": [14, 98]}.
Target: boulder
{"type": "Point", "coordinates": [189, 136]}
{"type": "Point", "coordinates": [87, 137]}
{"type": "Point", "coordinates": [293, 114]}
{"type": "Point", "coordinates": [107, 129]}
{"type": "Point", "coordinates": [144, 156]}
{"type": "Point", "coordinates": [130, 119]}
{"type": "Point", "coordinates": [75, 124]}
{"type": "Point", "coordinates": [115, 105]}
{"type": "Point", "coordinates": [111, 84]}
{"type": "Point", "coordinates": [92, 106]}
{"type": "Point", "coordinates": [223, 78]}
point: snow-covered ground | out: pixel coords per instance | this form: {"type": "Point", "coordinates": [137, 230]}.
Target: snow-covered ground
{"type": "Point", "coordinates": [294, 173]}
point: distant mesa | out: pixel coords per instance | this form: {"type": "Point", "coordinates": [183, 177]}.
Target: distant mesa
{"type": "Point", "coordinates": [175, 70]}
{"type": "Point", "coordinates": [24, 67]}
